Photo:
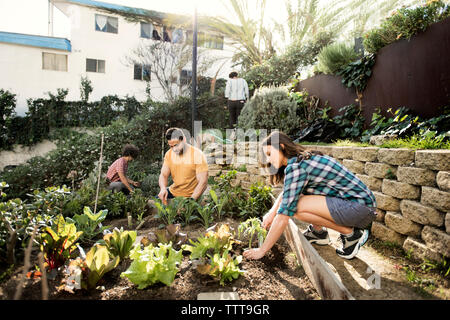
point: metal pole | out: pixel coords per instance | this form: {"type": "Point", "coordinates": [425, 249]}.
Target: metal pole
{"type": "Point", "coordinates": [194, 72]}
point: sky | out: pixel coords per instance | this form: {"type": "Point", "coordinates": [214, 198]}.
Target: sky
{"type": "Point", "coordinates": [31, 16]}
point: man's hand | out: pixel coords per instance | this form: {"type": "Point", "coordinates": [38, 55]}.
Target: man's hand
{"type": "Point", "coordinates": [163, 196]}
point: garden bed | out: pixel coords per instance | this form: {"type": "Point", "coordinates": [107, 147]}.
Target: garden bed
{"type": "Point", "coordinates": [275, 276]}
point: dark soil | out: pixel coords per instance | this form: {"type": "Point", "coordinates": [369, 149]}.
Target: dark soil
{"type": "Point", "coordinates": [277, 276]}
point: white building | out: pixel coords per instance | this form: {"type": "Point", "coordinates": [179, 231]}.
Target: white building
{"type": "Point", "coordinates": [100, 41]}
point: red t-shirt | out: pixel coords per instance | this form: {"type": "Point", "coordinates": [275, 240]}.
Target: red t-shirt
{"type": "Point", "coordinates": [120, 165]}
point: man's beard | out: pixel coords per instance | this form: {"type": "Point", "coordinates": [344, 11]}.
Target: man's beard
{"type": "Point", "coordinates": [180, 153]}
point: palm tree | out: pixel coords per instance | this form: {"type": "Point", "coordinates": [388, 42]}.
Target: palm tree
{"type": "Point", "coordinates": [252, 40]}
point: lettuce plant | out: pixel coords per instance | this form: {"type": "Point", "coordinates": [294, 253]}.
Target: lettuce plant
{"type": "Point", "coordinates": [119, 242]}
{"type": "Point", "coordinates": [85, 274]}
{"type": "Point", "coordinates": [223, 266]}
{"type": "Point", "coordinates": [213, 241]}
{"type": "Point", "coordinates": [153, 264]}
{"type": "Point", "coordinates": [98, 263]}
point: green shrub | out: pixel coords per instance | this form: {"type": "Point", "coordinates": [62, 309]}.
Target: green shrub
{"type": "Point", "coordinates": [357, 74]}
{"type": "Point", "coordinates": [350, 122]}
{"type": "Point", "coordinates": [427, 141]}
{"type": "Point", "coordinates": [334, 57]}
{"type": "Point", "coordinates": [279, 69]}
{"type": "Point", "coordinates": [257, 203]}
{"type": "Point", "coordinates": [405, 23]}
{"type": "Point", "coordinates": [270, 108]}
{"type": "Point", "coordinates": [7, 106]}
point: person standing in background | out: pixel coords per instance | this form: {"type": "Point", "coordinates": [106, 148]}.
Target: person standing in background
{"type": "Point", "coordinates": [236, 91]}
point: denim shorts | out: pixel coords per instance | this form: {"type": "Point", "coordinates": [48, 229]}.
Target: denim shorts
{"type": "Point", "coordinates": [349, 213]}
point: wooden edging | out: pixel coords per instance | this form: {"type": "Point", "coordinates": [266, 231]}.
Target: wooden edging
{"type": "Point", "coordinates": [324, 280]}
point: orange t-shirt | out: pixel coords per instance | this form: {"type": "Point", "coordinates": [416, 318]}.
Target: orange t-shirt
{"type": "Point", "coordinates": [184, 169]}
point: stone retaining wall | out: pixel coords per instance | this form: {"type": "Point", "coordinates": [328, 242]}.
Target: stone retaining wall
{"type": "Point", "coordinates": [412, 189]}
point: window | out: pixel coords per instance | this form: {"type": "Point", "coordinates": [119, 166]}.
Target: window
{"type": "Point", "coordinates": [106, 24]}
{"type": "Point", "coordinates": [155, 32]}
{"type": "Point", "coordinates": [142, 72]}
{"type": "Point", "coordinates": [185, 77]}
{"type": "Point", "coordinates": [211, 41]}
{"type": "Point", "coordinates": [207, 40]}
{"type": "Point", "coordinates": [177, 36]}
{"type": "Point", "coordinates": [146, 30]}
{"type": "Point", "coordinates": [167, 34]}
{"type": "Point", "coordinates": [53, 61]}
{"type": "Point", "coordinates": [93, 65]}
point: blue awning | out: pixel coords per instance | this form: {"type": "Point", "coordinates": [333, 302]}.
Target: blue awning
{"type": "Point", "coordinates": [36, 41]}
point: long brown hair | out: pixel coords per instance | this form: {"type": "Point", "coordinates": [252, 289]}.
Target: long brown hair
{"type": "Point", "coordinates": [288, 148]}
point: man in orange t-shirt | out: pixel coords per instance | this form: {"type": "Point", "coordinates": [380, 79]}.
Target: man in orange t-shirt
{"type": "Point", "coordinates": [186, 164]}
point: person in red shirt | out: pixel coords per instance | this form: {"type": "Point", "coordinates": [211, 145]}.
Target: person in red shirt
{"type": "Point", "coordinates": [116, 176]}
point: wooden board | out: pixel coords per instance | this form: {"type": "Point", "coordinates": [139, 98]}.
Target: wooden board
{"type": "Point", "coordinates": [324, 280]}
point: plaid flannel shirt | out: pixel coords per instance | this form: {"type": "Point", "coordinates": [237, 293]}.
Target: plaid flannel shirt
{"type": "Point", "coordinates": [321, 175]}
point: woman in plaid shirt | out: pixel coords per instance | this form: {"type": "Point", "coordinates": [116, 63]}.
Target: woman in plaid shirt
{"type": "Point", "coordinates": [318, 190]}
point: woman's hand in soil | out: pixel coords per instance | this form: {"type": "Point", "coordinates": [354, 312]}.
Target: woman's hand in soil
{"type": "Point", "coordinates": [254, 253]}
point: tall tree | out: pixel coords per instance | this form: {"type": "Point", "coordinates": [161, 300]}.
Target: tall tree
{"type": "Point", "coordinates": [251, 39]}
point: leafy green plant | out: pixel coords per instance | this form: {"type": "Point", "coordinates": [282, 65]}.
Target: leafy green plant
{"type": "Point", "coordinates": [168, 213]}
{"type": "Point", "coordinates": [419, 142]}
{"type": "Point", "coordinates": [334, 57]}
{"type": "Point", "coordinates": [17, 221]}
{"type": "Point", "coordinates": [390, 175]}
{"type": "Point", "coordinates": [235, 194]}
{"type": "Point", "coordinates": [89, 223]}
{"type": "Point", "coordinates": [7, 106]}
{"type": "Point", "coordinates": [51, 200]}
{"type": "Point", "coordinates": [350, 122]}
{"type": "Point", "coordinates": [205, 214]}
{"type": "Point", "coordinates": [171, 234]}
{"type": "Point", "coordinates": [58, 242]}
{"type": "Point", "coordinates": [249, 228]}
{"type": "Point", "coordinates": [119, 242]}
{"type": "Point", "coordinates": [219, 203]}
{"type": "Point", "coordinates": [357, 73]}
{"type": "Point", "coordinates": [270, 107]}
{"type": "Point", "coordinates": [278, 69]}
{"type": "Point", "coordinates": [212, 250]}
{"type": "Point", "coordinates": [216, 240]}
{"type": "Point", "coordinates": [153, 264]}
{"type": "Point", "coordinates": [443, 266]}
{"type": "Point", "coordinates": [98, 262]}
{"type": "Point", "coordinates": [377, 124]}
{"type": "Point", "coordinates": [222, 266]}
{"type": "Point", "coordinates": [258, 201]}
{"type": "Point", "coordinates": [188, 208]}
{"type": "Point", "coordinates": [404, 24]}
{"type": "Point", "coordinates": [136, 203]}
